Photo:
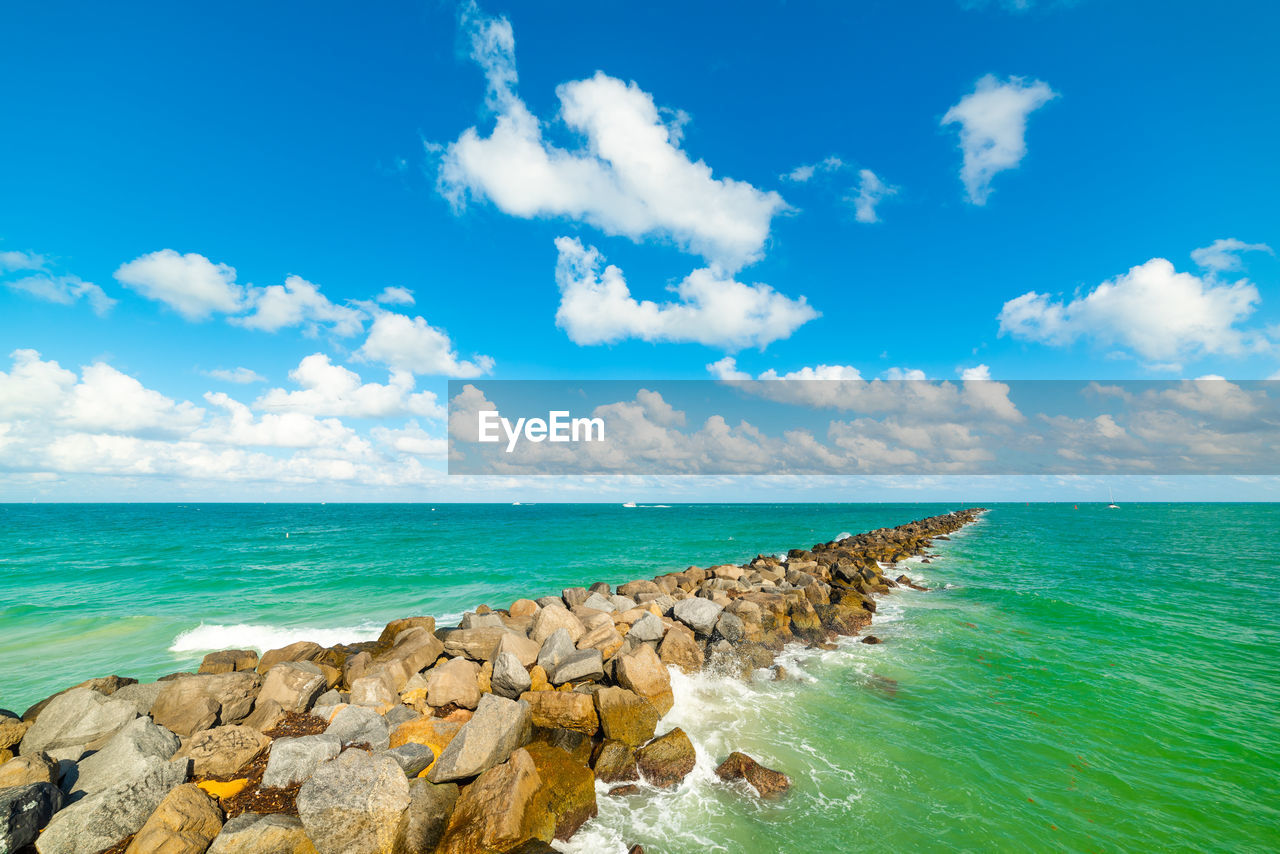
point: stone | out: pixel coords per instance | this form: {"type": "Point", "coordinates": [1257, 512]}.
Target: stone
{"type": "Point", "coordinates": [538, 679]}
{"type": "Point", "coordinates": [395, 627]}
{"type": "Point", "coordinates": [299, 651]}
{"type": "Point", "coordinates": [767, 782]}
{"type": "Point", "coordinates": [622, 603]}
{"type": "Point", "coordinates": [666, 760]}
{"type": "Point", "coordinates": [562, 710]}
{"type": "Point", "coordinates": [582, 665]}
{"type": "Point", "coordinates": [604, 638]}
{"type": "Point", "coordinates": [224, 750]}
{"type": "Point", "coordinates": [414, 649]}
{"type": "Point", "coordinates": [398, 715]}
{"type": "Point", "coordinates": [568, 789]}
{"type": "Point", "coordinates": [266, 716]}
{"type": "Point", "coordinates": [104, 818]}
{"type": "Point", "coordinates": [189, 704]}
{"type": "Point", "coordinates": [519, 646]}
{"type": "Point", "coordinates": [29, 768]}
{"type": "Point", "coordinates": [142, 695]}
{"type": "Point", "coordinates": [436, 733]}
{"type": "Point", "coordinates": [634, 588]}
{"type": "Point", "coordinates": [292, 685]}
{"type": "Point", "coordinates": [128, 754]}
{"type": "Point", "coordinates": [360, 725]}
{"type": "Point", "coordinates": [730, 627]}
{"type": "Point", "coordinates": [498, 727]}
{"type": "Point", "coordinates": [377, 690]}
{"type": "Point", "coordinates": [473, 620]}
{"type": "Point", "coordinates": [294, 760]}
{"type": "Point", "coordinates": [223, 789]}
{"type": "Point", "coordinates": [574, 596]}
{"type": "Point", "coordinates": [500, 810]}
{"type": "Point", "coordinates": [249, 833]}
{"type": "Point", "coordinates": [647, 628]}
{"type": "Point", "coordinates": [24, 811]}
{"type": "Point", "coordinates": [616, 763]}
{"type": "Point", "coordinates": [553, 617]}
{"type": "Point", "coordinates": [477, 644]}
{"type": "Point", "coordinates": [509, 678]}
{"type": "Point", "coordinates": [413, 758]}
{"type": "Point", "coordinates": [523, 608]}
{"type": "Point", "coordinates": [644, 673]}
{"type": "Point", "coordinates": [355, 804]}
{"type": "Point", "coordinates": [576, 743]}
{"type": "Point", "coordinates": [698, 614]}
{"type": "Point", "coordinates": [78, 717]}
{"type": "Point", "coordinates": [229, 661]}
{"type": "Point", "coordinates": [12, 729]}
{"type": "Point", "coordinates": [623, 792]}
{"type": "Point", "coordinates": [430, 807]}
{"type": "Point", "coordinates": [680, 649]}
{"type": "Point", "coordinates": [596, 602]}
{"type": "Point", "coordinates": [625, 716]}
{"type": "Point", "coordinates": [186, 822]}
{"type": "Point", "coordinates": [556, 648]}
{"type": "Point", "coordinates": [454, 682]}
{"type": "Point", "coordinates": [872, 639]}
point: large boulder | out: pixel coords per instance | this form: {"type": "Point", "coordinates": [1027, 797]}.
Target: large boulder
{"type": "Point", "coordinates": [549, 619]}
{"type": "Point", "coordinates": [395, 627]}
{"type": "Point", "coordinates": [30, 768]}
{"type": "Point", "coordinates": [249, 833]}
{"type": "Point", "coordinates": [299, 651]}
{"type": "Point", "coordinates": [76, 718]}
{"type": "Point", "coordinates": [510, 678]}
{"type": "Point", "coordinates": [223, 750]}
{"type": "Point", "coordinates": [667, 759]}
{"type": "Point", "coordinates": [414, 649]}
{"type": "Point", "coordinates": [477, 644]}
{"type": "Point", "coordinates": [376, 689]}
{"type": "Point", "coordinates": [142, 695]}
{"type": "Point", "coordinates": [556, 648]}
{"type": "Point", "coordinates": [294, 685]}
{"type": "Point", "coordinates": [229, 661]}
{"type": "Point", "coordinates": [500, 810]}
{"type": "Point", "coordinates": [498, 727]}
{"type": "Point", "coordinates": [454, 682]}
{"type": "Point", "coordinates": [520, 646]}
{"type": "Point", "coordinates": [430, 807]}
{"type": "Point", "coordinates": [698, 614]}
{"type": "Point", "coordinates": [355, 804]}
{"type": "Point", "coordinates": [189, 704]}
{"type": "Point", "coordinates": [127, 755]}
{"type": "Point", "coordinates": [562, 710]}
{"type": "Point", "coordinates": [604, 638]}
{"type": "Point", "coordinates": [680, 649]}
{"type": "Point", "coordinates": [767, 782]}
{"type": "Point", "coordinates": [293, 760]}
{"type": "Point", "coordinates": [186, 822]}
{"type": "Point", "coordinates": [584, 665]}
{"type": "Point", "coordinates": [24, 811]}
{"type": "Point", "coordinates": [644, 673]}
{"type": "Point", "coordinates": [413, 757]}
{"type": "Point", "coordinates": [616, 763]}
{"type": "Point", "coordinates": [102, 819]}
{"type": "Point", "coordinates": [647, 628]}
{"type": "Point", "coordinates": [568, 789]}
{"type": "Point", "coordinates": [12, 729]}
{"type": "Point", "coordinates": [625, 716]}
{"type": "Point", "coordinates": [360, 725]}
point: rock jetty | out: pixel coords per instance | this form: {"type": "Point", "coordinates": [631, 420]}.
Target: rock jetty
{"type": "Point", "coordinates": [488, 736]}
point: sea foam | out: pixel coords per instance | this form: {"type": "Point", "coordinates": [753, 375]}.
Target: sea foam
{"type": "Point", "coordinates": [211, 636]}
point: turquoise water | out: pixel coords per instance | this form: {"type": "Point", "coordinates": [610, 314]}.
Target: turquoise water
{"type": "Point", "coordinates": [1081, 680]}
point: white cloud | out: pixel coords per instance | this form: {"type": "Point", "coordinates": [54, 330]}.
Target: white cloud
{"type": "Point", "coordinates": [871, 191]}
{"type": "Point", "coordinates": [596, 307]}
{"type": "Point", "coordinates": [241, 376]}
{"type": "Point", "coordinates": [11, 260]}
{"type": "Point", "coordinates": [190, 284]}
{"type": "Point", "coordinates": [110, 401]}
{"type": "Point", "coordinates": [1154, 310]}
{"type": "Point", "coordinates": [1223, 255]}
{"type": "Point", "coordinates": [629, 178]}
{"type": "Point", "coordinates": [32, 387]}
{"type": "Point", "coordinates": [412, 439]}
{"type": "Point", "coordinates": [298, 303]}
{"type": "Point", "coordinates": [993, 126]}
{"type": "Point", "coordinates": [395, 296]}
{"type": "Point", "coordinates": [803, 174]}
{"type": "Point", "coordinates": [411, 344]}
{"type": "Point", "coordinates": [978, 373]}
{"type": "Point", "coordinates": [41, 282]}
{"type": "Point", "coordinates": [277, 430]}
{"type": "Point", "coordinates": [896, 374]}
{"type": "Point", "coordinates": [329, 389]}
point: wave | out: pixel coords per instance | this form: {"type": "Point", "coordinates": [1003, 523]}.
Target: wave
{"type": "Point", "coordinates": [212, 636]}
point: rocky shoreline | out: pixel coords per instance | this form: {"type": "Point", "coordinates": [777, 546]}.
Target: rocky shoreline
{"type": "Point", "coordinates": [485, 737]}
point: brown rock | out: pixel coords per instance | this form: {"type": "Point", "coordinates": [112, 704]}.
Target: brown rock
{"type": "Point", "coordinates": [679, 648]}
{"type": "Point", "coordinates": [395, 627]}
{"type": "Point", "coordinates": [186, 822]}
{"type": "Point", "coordinates": [454, 682]}
{"type": "Point", "coordinates": [568, 788]}
{"type": "Point", "coordinates": [29, 768]}
{"type": "Point", "coordinates": [189, 704]}
{"type": "Point", "coordinates": [266, 715]}
{"type": "Point", "coordinates": [223, 750]}
{"type": "Point", "coordinates": [644, 673]}
{"type": "Point", "coordinates": [740, 766]}
{"type": "Point", "coordinates": [300, 651]}
{"type": "Point", "coordinates": [518, 645]}
{"type": "Point", "coordinates": [538, 678]}
{"type": "Point", "coordinates": [523, 608]}
{"type": "Point", "coordinates": [12, 730]}
{"type": "Point", "coordinates": [871, 639]}
{"type": "Point", "coordinates": [625, 716]}
{"type": "Point", "coordinates": [500, 810]}
{"type": "Point", "coordinates": [229, 661]}
{"type": "Point", "coordinates": [603, 637]}
{"type": "Point", "coordinates": [616, 763]}
{"type": "Point", "coordinates": [667, 759]}
{"type": "Point", "coordinates": [625, 790]}
{"type": "Point", "coordinates": [562, 710]}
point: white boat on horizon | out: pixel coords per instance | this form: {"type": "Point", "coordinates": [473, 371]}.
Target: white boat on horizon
{"type": "Point", "coordinates": [1112, 498]}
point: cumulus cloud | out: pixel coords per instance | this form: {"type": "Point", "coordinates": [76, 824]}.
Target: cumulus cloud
{"type": "Point", "coordinates": [993, 127]}
{"type": "Point", "coordinates": [978, 373]}
{"type": "Point", "coordinates": [411, 344]}
{"type": "Point", "coordinates": [329, 389]}
{"type": "Point", "coordinates": [871, 191]}
{"type": "Point", "coordinates": [190, 284]}
{"type": "Point", "coordinates": [38, 280]}
{"type": "Point", "coordinates": [1153, 310]}
{"type": "Point", "coordinates": [413, 440]}
{"type": "Point", "coordinates": [391, 295]}
{"type": "Point", "coordinates": [240, 376]}
{"type": "Point", "coordinates": [1223, 255]}
{"type": "Point", "coordinates": [298, 303]}
{"type": "Point", "coordinates": [629, 177]}
{"type": "Point", "coordinates": [712, 308]}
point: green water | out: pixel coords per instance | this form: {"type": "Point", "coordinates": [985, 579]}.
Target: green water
{"type": "Point", "coordinates": [1081, 680]}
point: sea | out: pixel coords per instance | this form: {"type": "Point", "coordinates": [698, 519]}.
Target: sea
{"type": "Point", "coordinates": [1077, 678]}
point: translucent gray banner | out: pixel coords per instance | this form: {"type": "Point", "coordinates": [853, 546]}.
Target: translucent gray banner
{"type": "Point", "coordinates": [731, 427]}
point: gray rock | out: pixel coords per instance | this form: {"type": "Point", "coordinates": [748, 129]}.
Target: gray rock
{"type": "Point", "coordinates": [143, 695]}
{"type": "Point", "coordinates": [430, 807]}
{"type": "Point", "coordinates": [509, 678]}
{"type": "Point", "coordinates": [293, 760]}
{"type": "Point", "coordinates": [412, 757]}
{"type": "Point", "coordinates": [574, 596]}
{"type": "Point", "coordinates": [400, 714]}
{"type": "Point", "coordinates": [332, 697]}
{"type": "Point", "coordinates": [188, 704]}
{"type": "Point", "coordinates": [24, 810]}
{"type": "Point", "coordinates": [293, 685]}
{"type": "Point", "coordinates": [250, 833]}
{"type": "Point", "coordinates": [360, 725]}
{"type": "Point", "coordinates": [698, 614]}
{"type": "Point", "coordinates": [102, 819]}
{"type": "Point", "coordinates": [498, 727]}
{"type": "Point", "coordinates": [223, 750]}
{"type": "Point", "coordinates": [480, 621]}
{"type": "Point", "coordinates": [477, 644]}
{"type": "Point", "coordinates": [730, 627]}
{"type": "Point", "coordinates": [647, 628]}
{"type": "Point", "coordinates": [622, 603]}
{"type": "Point", "coordinates": [355, 804]}
{"type": "Point", "coordinates": [544, 601]}
{"type": "Point", "coordinates": [129, 754]}
{"type": "Point", "coordinates": [583, 664]}
{"type": "Point", "coordinates": [555, 649]}
{"type": "Point", "coordinates": [598, 602]}
{"type": "Point", "coordinates": [78, 717]}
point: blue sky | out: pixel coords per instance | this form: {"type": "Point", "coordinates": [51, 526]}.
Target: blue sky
{"type": "Point", "coordinates": [152, 147]}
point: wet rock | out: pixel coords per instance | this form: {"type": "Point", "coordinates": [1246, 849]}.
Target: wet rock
{"type": "Point", "coordinates": [229, 661]}
{"type": "Point", "coordinates": [666, 760]}
{"type": "Point", "coordinates": [642, 672]}
{"type": "Point", "coordinates": [730, 627]}
{"type": "Point", "coordinates": [24, 811]}
{"type": "Point", "coordinates": [498, 727]}
{"type": "Point", "coordinates": [430, 807]}
{"type": "Point", "coordinates": [625, 716]}
{"type": "Point", "coordinates": [293, 685]}
{"type": "Point", "coordinates": [355, 804]}
{"type": "Point", "coordinates": [500, 810]}
{"type": "Point", "coordinates": [294, 760]}
{"type": "Point", "coordinates": [871, 639]}
{"type": "Point", "coordinates": [568, 789]}
{"type": "Point", "coordinates": [739, 766]}
{"type": "Point", "coordinates": [562, 710]}
{"type": "Point", "coordinates": [189, 704]}
{"type": "Point", "coordinates": [104, 818]}
{"type": "Point", "coordinates": [249, 833]}
{"type": "Point", "coordinates": [616, 763]}
{"type": "Point", "coordinates": [454, 682]}
{"type": "Point", "coordinates": [581, 665]}
{"type": "Point", "coordinates": [360, 725]}
{"type": "Point", "coordinates": [300, 651]}
{"type": "Point", "coordinates": [625, 790]}
{"type": "Point", "coordinates": [78, 717]}
{"type": "Point", "coordinates": [698, 614]}
{"type": "Point", "coordinates": [680, 649]}
{"type": "Point", "coordinates": [549, 619]}
{"type": "Point", "coordinates": [576, 743]}
{"type": "Point", "coordinates": [509, 679]}
{"type": "Point", "coordinates": [186, 822]}
{"type": "Point", "coordinates": [413, 758]}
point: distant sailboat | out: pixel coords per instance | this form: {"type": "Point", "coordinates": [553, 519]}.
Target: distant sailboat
{"type": "Point", "coordinates": [1112, 498]}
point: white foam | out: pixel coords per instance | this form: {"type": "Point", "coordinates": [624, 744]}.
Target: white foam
{"type": "Point", "coordinates": [211, 636]}
{"type": "Point", "coordinates": [843, 535]}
